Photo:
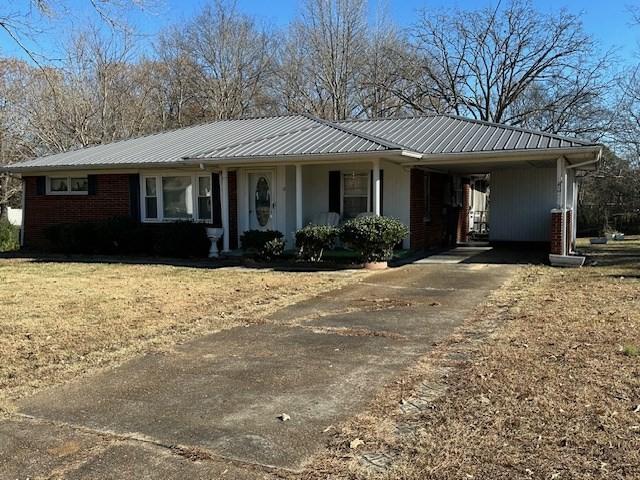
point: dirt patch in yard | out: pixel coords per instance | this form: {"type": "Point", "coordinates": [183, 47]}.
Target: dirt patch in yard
{"type": "Point", "coordinates": [60, 320]}
{"type": "Point", "coordinates": [543, 382]}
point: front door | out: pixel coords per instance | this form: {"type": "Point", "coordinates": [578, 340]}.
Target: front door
{"type": "Point", "coordinates": [261, 200]}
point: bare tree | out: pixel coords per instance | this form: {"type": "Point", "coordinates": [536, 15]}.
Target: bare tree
{"type": "Point", "coordinates": [381, 85]}
{"type": "Point", "coordinates": [232, 58]}
{"type": "Point", "coordinates": [23, 22]}
{"type": "Point", "coordinates": [172, 73]}
{"type": "Point", "coordinates": [320, 63]}
{"type": "Point", "coordinates": [511, 64]}
{"type": "Point", "coordinates": [14, 137]}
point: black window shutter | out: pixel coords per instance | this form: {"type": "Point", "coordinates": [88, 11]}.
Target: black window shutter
{"type": "Point", "coordinates": [334, 191]}
{"type": "Point", "coordinates": [91, 180]}
{"type": "Point", "coordinates": [134, 196]}
{"type": "Point", "coordinates": [215, 200]}
{"type": "Point", "coordinates": [41, 185]}
{"type": "Point", "coordinates": [381, 191]}
{"type": "Point", "coordinates": [371, 190]}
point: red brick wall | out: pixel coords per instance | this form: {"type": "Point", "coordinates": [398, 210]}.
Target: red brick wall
{"type": "Point", "coordinates": [556, 232]}
{"type": "Point", "coordinates": [111, 200]}
{"type": "Point", "coordinates": [416, 210]}
{"type": "Point", "coordinates": [433, 233]}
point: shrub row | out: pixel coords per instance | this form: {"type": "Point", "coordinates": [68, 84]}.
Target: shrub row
{"type": "Point", "coordinates": [373, 237]}
{"type": "Point", "coordinates": [127, 237]}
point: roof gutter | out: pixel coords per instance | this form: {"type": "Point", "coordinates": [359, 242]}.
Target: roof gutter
{"type": "Point", "coordinates": [577, 166]}
{"type": "Point", "coordinates": [283, 159]}
{"type": "Point", "coordinates": [504, 155]}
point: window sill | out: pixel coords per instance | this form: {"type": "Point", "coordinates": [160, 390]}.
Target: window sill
{"type": "Point", "coordinates": [174, 220]}
{"type": "Point", "coordinates": [67, 194]}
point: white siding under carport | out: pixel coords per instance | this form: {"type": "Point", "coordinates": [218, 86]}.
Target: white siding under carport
{"type": "Point", "coordinates": [520, 204]}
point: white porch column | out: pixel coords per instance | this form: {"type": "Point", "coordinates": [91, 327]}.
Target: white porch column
{"type": "Point", "coordinates": [298, 196]}
{"type": "Point", "coordinates": [376, 187]}
{"type": "Point", "coordinates": [561, 176]}
{"type": "Point", "coordinates": [224, 207]}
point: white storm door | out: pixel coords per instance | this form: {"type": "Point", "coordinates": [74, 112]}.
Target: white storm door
{"type": "Point", "coordinates": [261, 200]}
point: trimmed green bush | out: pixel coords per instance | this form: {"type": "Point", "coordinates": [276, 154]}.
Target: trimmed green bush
{"type": "Point", "coordinates": [272, 249]}
{"type": "Point", "coordinates": [181, 239]}
{"type": "Point", "coordinates": [125, 236]}
{"type": "Point", "coordinates": [313, 240]}
{"type": "Point", "coordinates": [73, 238]}
{"type": "Point", "coordinates": [373, 237]}
{"type": "Point", "coordinates": [9, 236]}
{"type": "Point", "coordinates": [262, 244]}
{"type": "Point", "coordinates": [253, 240]}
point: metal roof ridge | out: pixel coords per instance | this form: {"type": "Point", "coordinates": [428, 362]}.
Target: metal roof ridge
{"type": "Point", "coordinates": [380, 141]}
{"type": "Point", "coordinates": [248, 142]}
{"type": "Point", "coordinates": [475, 120]}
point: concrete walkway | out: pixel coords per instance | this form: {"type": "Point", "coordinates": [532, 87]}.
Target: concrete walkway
{"type": "Point", "coordinates": [209, 408]}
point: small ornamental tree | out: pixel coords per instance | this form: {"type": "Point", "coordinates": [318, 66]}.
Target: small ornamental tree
{"type": "Point", "coordinates": [373, 237]}
{"type": "Point", "coordinates": [313, 240]}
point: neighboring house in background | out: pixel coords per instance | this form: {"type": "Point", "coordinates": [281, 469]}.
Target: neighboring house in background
{"type": "Point", "coordinates": [282, 172]}
{"type": "Point", "coordinates": [14, 215]}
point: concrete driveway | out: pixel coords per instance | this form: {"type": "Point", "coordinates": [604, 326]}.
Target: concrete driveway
{"type": "Point", "coordinates": [208, 409]}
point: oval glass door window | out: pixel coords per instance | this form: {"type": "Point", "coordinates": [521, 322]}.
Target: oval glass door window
{"type": "Point", "coordinates": [263, 201]}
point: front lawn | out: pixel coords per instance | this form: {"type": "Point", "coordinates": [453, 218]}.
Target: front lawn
{"type": "Point", "coordinates": [59, 320]}
{"type": "Point", "coordinates": [543, 382]}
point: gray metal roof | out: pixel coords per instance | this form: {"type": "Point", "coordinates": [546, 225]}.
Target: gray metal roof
{"type": "Point", "coordinates": [302, 135]}
{"type": "Point", "coordinates": [438, 134]}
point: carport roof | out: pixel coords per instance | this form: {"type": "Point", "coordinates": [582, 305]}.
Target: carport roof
{"type": "Point", "coordinates": [437, 134]}
{"type": "Point", "coordinates": [304, 136]}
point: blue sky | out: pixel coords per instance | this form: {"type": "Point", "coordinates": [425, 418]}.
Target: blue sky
{"type": "Point", "coordinates": [608, 21]}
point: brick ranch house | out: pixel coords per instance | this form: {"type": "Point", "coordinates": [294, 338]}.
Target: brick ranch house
{"type": "Point", "coordinates": [284, 172]}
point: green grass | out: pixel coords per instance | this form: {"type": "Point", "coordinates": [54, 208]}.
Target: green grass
{"type": "Point", "coordinates": [631, 351]}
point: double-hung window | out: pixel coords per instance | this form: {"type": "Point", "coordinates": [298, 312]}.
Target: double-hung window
{"type": "Point", "coordinates": [177, 197]}
{"type": "Point", "coordinates": [355, 194]}
{"type": "Point", "coordinates": [151, 198]}
{"type": "Point", "coordinates": [78, 185]}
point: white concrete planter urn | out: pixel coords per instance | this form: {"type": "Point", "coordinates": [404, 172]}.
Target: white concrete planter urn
{"type": "Point", "coordinates": [214, 234]}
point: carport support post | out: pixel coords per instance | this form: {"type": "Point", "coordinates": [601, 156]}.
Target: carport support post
{"type": "Point", "coordinates": [298, 196]}
{"type": "Point", "coordinates": [376, 187]}
{"type": "Point", "coordinates": [561, 175]}
{"type": "Point", "coordinates": [224, 207]}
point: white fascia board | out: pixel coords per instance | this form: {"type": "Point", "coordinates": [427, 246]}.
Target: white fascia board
{"type": "Point", "coordinates": [575, 153]}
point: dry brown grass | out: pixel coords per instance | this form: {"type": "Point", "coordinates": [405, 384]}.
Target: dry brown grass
{"type": "Point", "coordinates": [60, 320]}
{"type": "Point", "coordinates": [552, 393]}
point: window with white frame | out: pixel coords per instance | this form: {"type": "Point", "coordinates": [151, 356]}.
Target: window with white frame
{"type": "Point", "coordinates": [204, 198]}
{"type": "Point", "coordinates": [177, 197]}
{"type": "Point", "coordinates": [355, 194]}
{"type": "Point", "coordinates": [67, 185]}
{"type": "Point", "coordinates": [151, 198]}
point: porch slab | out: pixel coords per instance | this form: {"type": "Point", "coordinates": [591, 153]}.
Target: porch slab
{"type": "Point", "coordinates": [220, 396]}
